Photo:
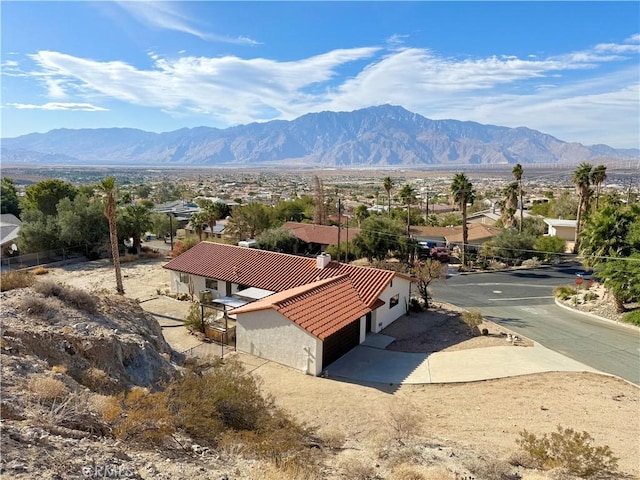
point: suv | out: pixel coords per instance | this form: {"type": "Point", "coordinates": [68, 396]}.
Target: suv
{"type": "Point", "coordinates": [440, 253]}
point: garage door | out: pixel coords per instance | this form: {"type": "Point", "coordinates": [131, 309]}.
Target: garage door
{"type": "Point", "coordinates": [339, 343]}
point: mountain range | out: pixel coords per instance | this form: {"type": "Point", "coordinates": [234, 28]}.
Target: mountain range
{"type": "Point", "coordinates": [380, 136]}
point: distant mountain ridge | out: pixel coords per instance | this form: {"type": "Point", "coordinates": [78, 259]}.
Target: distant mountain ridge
{"type": "Point", "coordinates": [381, 136]}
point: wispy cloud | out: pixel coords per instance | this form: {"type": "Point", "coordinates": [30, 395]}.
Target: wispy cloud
{"type": "Point", "coordinates": [85, 107]}
{"type": "Point", "coordinates": [169, 16]}
{"type": "Point", "coordinates": [506, 90]}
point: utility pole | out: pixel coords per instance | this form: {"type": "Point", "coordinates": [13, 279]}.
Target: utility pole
{"type": "Point", "coordinates": [339, 222]}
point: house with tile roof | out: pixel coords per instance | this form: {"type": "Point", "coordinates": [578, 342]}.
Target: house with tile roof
{"type": "Point", "coordinates": [319, 309]}
{"type": "Point", "coordinates": [314, 239]}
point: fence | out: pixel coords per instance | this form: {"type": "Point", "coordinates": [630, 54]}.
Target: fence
{"type": "Point", "coordinates": [29, 260]}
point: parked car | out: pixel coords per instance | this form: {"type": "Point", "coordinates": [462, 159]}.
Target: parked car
{"type": "Point", "coordinates": [440, 253]}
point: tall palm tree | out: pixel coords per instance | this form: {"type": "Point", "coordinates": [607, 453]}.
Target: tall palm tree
{"type": "Point", "coordinates": [108, 187]}
{"type": "Point", "coordinates": [510, 204]}
{"type": "Point", "coordinates": [463, 193]}
{"type": "Point", "coordinates": [598, 175]}
{"type": "Point", "coordinates": [408, 196]}
{"type": "Point", "coordinates": [198, 222]}
{"type": "Point", "coordinates": [517, 174]}
{"type": "Point", "coordinates": [387, 183]}
{"type": "Point", "coordinates": [582, 181]}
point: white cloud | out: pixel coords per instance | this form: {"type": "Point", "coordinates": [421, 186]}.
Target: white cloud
{"type": "Point", "coordinates": [534, 91]}
{"type": "Point", "coordinates": [167, 15]}
{"type": "Point", "coordinates": [85, 107]}
{"type": "Point", "coordinates": [633, 38]}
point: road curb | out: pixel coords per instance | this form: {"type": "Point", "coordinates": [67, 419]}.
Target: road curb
{"type": "Point", "coordinates": [597, 317]}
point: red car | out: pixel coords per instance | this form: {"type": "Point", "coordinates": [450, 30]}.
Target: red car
{"type": "Point", "coordinates": [440, 253]}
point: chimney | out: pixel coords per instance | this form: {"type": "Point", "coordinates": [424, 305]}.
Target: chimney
{"type": "Point", "coordinates": [323, 260]}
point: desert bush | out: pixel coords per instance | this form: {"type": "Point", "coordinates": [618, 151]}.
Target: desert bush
{"type": "Point", "coordinates": [142, 416]}
{"type": "Point", "coordinates": [490, 469]}
{"type": "Point", "coordinates": [471, 319]}
{"type": "Point", "coordinates": [333, 439]}
{"type": "Point", "coordinates": [568, 449]}
{"type": "Point", "coordinates": [520, 458]}
{"type": "Point", "coordinates": [40, 270]}
{"type": "Point", "coordinates": [193, 320]}
{"type": "Point", "coordinates": [222, 397]}
{"type": "Point", "coordinates": [97, 380]}
{"type": "Point", "coordinates": [407, 471]}
{"type": "Point", "coordinates": [632, 317]}
{"type": "Point", "coordinates": [564, 292]}
{"type": "Point", "coordinates": [17, 279]}
{"type": "Point", "coordinates": [354, 468]}
{"type": "Point", "coordinates": [74, 297]}
{"type": "Point", "coordinates": [59, 369]}
{"type": "Point", "coordinates": [403, 422]}
{"type": "Point", "coordinates": [47, 389]}
{"type": "Point", "coordinates": [184, 245]}
{"type": "Point", "coordinates": [43, 308]}
{"type": "Point", "coordinates": [440, 473]}
{"type": "Point", "coordinates": [589, 296]}
{"type": "Point", "coordinates": [532, 262]}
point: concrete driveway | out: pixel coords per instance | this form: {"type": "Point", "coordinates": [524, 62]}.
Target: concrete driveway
{"type": "Point", "coordinates": [375, 365]}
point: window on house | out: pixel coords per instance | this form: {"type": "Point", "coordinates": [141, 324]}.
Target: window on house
{"type": "Point", "coordinates": [184, 277]}
{"type": "Point", "coordinates": [393, 301]}
{"type": "Point", "coordinates": [241, 287]}
{"type": "Point", "coordinates": [211, 284]}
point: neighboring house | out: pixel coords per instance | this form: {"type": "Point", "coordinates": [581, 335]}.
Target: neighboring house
{"type": "Point", "coordinates": [320, 309]}
{"type": "Point", "coordinates": [9, 229]}
{"type": "Point", "coordinates": [432, 236]}
{"type": "Point", "coordinates": [477, 234]}
{"type": "Point", "coordinates": [486, 217]}
{"type": "Point", "coordinates": [314, 239]}
{"type": "Point", "coordinates": [180, 209]}
{"type": "Point", "coordinates": [565, 229]}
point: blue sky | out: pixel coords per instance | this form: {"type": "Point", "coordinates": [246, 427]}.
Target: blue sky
{"type": "Point", "coordinates": [570, 69]}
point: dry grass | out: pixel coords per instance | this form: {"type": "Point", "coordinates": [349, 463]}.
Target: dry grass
{"type": "Point", "coordinates": [354, 468]}
{"type": "Point", "coordinates": [74, 297]}
{"type": "Point", "coordinates": [407, 471]}
{"type": "Point", "coordinates": [60, 369]}
{"type": "Point", "coordinates": [43, 308]}
{"type": "Point", "coordinates": [40, 270]}
{"type": "Point", "coordinates": [47, 389]}
{"type": "Point", "coordinates": [15, 279]}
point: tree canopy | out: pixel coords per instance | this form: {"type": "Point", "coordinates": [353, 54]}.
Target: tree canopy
{"type": "Point", "coordinates": [9, 197]}
{"type": "Point", "coordinates": [45, 195]}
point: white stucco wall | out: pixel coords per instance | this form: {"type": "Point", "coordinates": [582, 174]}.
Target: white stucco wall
{"type": "Point", "coordinates": [199, 283]}
{"type": "Point", "coordinates": [384, 315]}
{"type": "Point", "coordinates": [269, 335]}
{"type": "Point", "coordinates": [565, 233]}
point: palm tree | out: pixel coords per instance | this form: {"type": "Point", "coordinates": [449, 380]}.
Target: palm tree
{"type": "Point", "coordinates": [408, 196]}
{"type": "Point", "coordinates": [135, 221]}
{"type": "Point", "coordinates": [387, 183]}
{"type": "Point", "coordinates": [463, 193]}
{"type": "Point", "coordinates": [582, 181]}
{"type": "Point", "coordinates": [517, 174]}
{"type": "Point", "coordinates": [510, 204]}
{"type": "Point", "coordinates": [108, 186]}
{"type": "Point", "coordinates": [211, 212]}
{"type": "Point", "coordinates": [198, 222]}
{"type": "Point", "coordinates": [598, 175]}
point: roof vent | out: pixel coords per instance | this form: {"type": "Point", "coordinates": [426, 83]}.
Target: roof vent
{"type": "Point", "coordinates": [323, 260]}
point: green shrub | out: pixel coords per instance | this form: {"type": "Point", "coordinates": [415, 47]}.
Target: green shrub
{"type": "Point", "coordinates": [632, 317]}
{"type": "Point", "coordinates": [193, 320]}
{"type": "Point", "coordinates": [564, 292]}
{"type": "Point", "coordinates": [13, 280]}
{"type": "Point", "coordinates": [568, 449]}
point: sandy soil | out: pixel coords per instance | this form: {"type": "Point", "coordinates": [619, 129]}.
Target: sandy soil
{"type": "Point", "coordinates": [483, 418]}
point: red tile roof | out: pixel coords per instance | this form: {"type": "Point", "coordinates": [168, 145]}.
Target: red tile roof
{"type": "Point", "coordinates": [321, 308]}
{"type": "Point", "coordinates": [476, 233]}
{"type": "Point", "coordinates": [275, 271]}
{"type": "Point", "coordinates": [322, 234]}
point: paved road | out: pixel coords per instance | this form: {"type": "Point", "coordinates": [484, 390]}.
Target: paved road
{"type": "Point", "coordinates": [523, 302]}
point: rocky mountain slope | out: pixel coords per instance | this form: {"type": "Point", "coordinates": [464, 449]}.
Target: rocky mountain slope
{"type": "Point", "coordinates": [379, 136]}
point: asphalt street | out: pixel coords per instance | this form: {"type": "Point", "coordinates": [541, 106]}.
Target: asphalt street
{"type": "Point", "coordinates": [522, 300]}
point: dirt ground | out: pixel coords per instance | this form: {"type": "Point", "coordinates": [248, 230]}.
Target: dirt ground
{"type": "Point", "coordinates": [477, 419]}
